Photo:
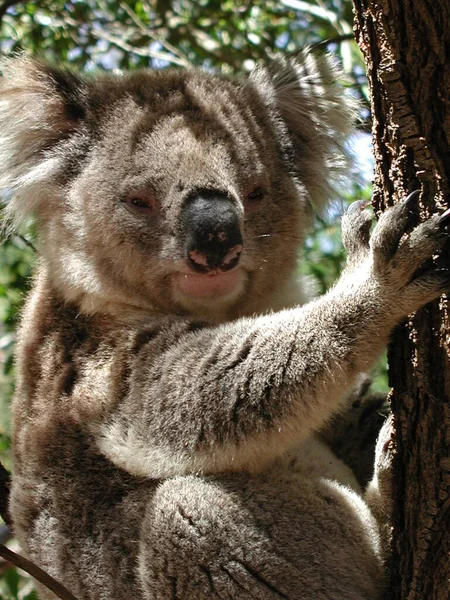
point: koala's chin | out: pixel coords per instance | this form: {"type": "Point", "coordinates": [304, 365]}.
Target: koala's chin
{"type": "Point", "coordinates": [208, 293]}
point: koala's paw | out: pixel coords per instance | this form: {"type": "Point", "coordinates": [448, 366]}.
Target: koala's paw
{"type": "Point", "coordinates": [395, 251]}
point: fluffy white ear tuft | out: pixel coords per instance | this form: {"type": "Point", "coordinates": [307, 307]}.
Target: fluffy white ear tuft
{"type": "Point", "coordinates": [39, 107]}
{"type": "Point", "coordinates": [309, 92]}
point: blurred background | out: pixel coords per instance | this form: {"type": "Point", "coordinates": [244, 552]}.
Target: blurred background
{"type": "Point", "coordinates": [227, 36]}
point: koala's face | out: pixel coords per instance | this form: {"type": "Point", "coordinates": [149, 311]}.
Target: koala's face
{"type": "Point", "coordinates": [168, 191]}
{"type": "Point", "coordinates": [184, 203]}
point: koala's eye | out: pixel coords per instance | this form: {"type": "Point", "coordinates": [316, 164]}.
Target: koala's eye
{"type": "Point", "coordinates": [140, 205]}
{"type": "Point", "coordinates": [256, 194]}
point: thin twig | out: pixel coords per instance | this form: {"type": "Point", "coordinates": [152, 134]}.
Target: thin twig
{"type": "Point", "coordinates": [25, 241]}
{"type": "Point", "coordinates": [145, 30]}
{"type": "Point", "coordinates": [333, 40]}
{"type": "Point", "coordinates": [26, 565]}
{"type": "Point", "coordinates": [139, 51]}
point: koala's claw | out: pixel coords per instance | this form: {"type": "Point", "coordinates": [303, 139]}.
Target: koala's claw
{"type": "Point", "coordinates": [396, 250]}
{"type": "Point", "coordinates": [429, 286]}
{"type": "Point", "coordinates": [425, 240]}
{"type": "Point", "coordinates": [399, 250]}
{"type": "Point", "coordinates": [392, 226]}
{"type": "Point", "coordinates": [412, 200]}
{"type": "Point", "coordinates": [444, 219]}
{"type": "Point", "coordinates": [357, 206]}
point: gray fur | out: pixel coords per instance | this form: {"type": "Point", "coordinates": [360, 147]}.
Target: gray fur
{"type": "Point", "coordinates": [165, 441]}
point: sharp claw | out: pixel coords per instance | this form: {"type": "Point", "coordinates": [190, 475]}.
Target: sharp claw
{"type": "Point", "coordinates": [412, 199]}
{"type": "Point", "coordinates": [358, 205]}
{"type": "Point", "coordinates": [444, 218]}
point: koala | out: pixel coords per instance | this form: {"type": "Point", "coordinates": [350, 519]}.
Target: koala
{"type": "Point", "coordinates": [173, 384]}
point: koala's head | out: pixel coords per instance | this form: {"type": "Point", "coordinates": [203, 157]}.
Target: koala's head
{"type": "Point", "coordinates": [171, 191]}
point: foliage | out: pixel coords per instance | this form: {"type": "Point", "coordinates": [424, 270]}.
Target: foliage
{"type": "Point", "coordinates": [15, 268]}
{"type": "Point", "coordinates": [230, 36]}
{"type": "Point", "coordinates": [15, 587]}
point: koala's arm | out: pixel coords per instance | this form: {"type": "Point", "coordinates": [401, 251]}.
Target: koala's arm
{"type": "Point", "coordinates": [203, 398]}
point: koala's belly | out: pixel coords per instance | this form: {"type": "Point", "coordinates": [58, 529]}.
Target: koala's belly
{"type": "Point", "coordinates": [284, 533]}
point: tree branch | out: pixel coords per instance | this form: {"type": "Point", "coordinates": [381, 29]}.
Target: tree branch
{"type": "Point", "coordinates": [338, 39]}
{"type": "Point", "coordinates": [146, 31]}
{"type": "Point", "coordinates": [23, 563]}
{"type": "Point", "coordinates": [139, 51]}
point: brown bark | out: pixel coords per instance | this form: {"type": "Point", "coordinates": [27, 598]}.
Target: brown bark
{"type": "Point", "coordinates": [406, 45]}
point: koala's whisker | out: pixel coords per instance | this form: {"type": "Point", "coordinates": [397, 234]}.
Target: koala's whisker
{"type": "Point", "coordinates": [277, 234]}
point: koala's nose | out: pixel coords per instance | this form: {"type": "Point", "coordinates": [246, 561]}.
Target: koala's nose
{"type": "Point", "coordinates": [212, 232]}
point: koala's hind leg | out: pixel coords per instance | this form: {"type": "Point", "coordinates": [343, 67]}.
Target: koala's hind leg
{"type": "Point", "coordinates": [195, 545]}
{"type": "Point", "coordinates": [352, 435]}
{"type": "Point", "coordinates": [240, 537]}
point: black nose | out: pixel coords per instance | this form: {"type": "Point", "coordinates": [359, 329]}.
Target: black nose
{"type": "Point", "coordinates": [212, 233]}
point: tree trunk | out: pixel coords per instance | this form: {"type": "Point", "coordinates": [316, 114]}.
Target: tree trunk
{"type": "Point", "coordinates": [406, 45]}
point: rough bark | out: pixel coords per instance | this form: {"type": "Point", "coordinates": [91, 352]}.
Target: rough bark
{"type": "Point", "coordinates": [406, 44]}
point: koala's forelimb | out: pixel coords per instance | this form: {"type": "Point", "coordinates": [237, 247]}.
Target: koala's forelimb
{"type": "Point", "coordinates": [253, 387]}
{"type": "Point", "coordinates": [272, 379]}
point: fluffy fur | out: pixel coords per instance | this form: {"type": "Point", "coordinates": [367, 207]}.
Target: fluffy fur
{"type": "Point", "coordinates": [165, 439]}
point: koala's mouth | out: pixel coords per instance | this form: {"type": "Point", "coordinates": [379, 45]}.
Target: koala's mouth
{"type": "Point", "coordinates": [216, 285]}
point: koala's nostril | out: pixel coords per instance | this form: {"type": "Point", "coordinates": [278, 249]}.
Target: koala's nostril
{"type": "Point", "coordinates": [198, 258]}
{"type": "Point", "coordinates": [232, 258]}
{"type": "Point", "coordinates": [204, 263]}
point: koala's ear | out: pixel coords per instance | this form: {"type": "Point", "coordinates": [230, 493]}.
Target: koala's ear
{"type": "Point", "coordinates": [40, 106]}
{"type": "Point", "coordinates": [318, 114]}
